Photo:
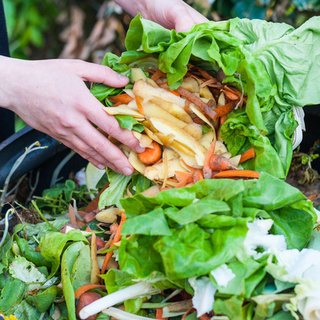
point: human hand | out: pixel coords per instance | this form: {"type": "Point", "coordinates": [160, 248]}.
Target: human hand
{"type": "Point", "coordinates": [171, 14]}
{"type": "Point", "coordinates": [51, 96]}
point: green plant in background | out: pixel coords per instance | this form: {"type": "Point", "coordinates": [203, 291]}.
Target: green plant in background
{"type": "Point", "coordinates": [28, 24]}
{"type": "Point", "coordinates": [293, 12]}
{"type": "Point", "coordinates": [56, 200]}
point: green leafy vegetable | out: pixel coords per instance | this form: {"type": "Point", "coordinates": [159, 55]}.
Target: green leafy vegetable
{"type": "Point", "coordinates": [129, 123]}
{"type": "Point", "coordinates": [52, 246]}
{"type": "Point", "coordinates": [193, 248]}
{"type": "Point", "coordinates": [263, 59]}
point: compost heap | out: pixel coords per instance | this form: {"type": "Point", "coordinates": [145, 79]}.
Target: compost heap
{"type": "Point", "coordinates": [212, 103]}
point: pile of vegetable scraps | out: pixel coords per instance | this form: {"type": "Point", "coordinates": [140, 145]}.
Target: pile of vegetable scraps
{"type": "Point", "coordinates": [205, 228]}
{"type": "Point", "coordinates": [181, 128]}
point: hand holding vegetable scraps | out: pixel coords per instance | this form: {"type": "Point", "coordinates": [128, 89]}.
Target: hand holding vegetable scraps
{"type": "Point", "coordinates": [51, 96]}
{"type": "Point", "coordinates": [171, 14]}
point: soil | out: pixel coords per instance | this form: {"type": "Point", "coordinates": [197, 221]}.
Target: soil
{"type": "Point", "coordinates": [307, 181]}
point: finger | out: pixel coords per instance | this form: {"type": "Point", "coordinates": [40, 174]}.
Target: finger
{"type": "Point", "coordinates": [97, 73]}
{"type": "Point", "coordinates": [85, 152]}
{"type": "Point", "coordinates": [110, 125]}
{"type": "Point", "coordinates": [88, 153]}
{"type": "Point", "coordinates": [185, 17]}
{"type": "Point", "coordinates": [182, 24]}
{"type": "Point", "coordinates": [96, 143]}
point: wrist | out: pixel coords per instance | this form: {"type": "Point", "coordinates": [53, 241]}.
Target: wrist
{"type": "Point", "coordinates": [14, 81]}
{"type": "Point", "coordinates": [5, 70]}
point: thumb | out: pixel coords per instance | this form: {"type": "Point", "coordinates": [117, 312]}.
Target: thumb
{"type": "Point", "coordinates": [182, 25]}
{"type": "Point", "coordinates": [186, 17]}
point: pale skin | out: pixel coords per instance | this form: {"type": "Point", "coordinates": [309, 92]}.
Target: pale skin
{"type": "Point", "coordinates": [51, 96]}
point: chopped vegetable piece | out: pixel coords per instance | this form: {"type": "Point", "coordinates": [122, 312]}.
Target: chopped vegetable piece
{"type": "Point", "coordinates": [150, 155]}
{"type": "Point", "coordinates": [198, 102]}
{"type": "Point", "coordinates": [124, 98]}
{"type": "Point", "coordinates": [139, 104]}
{"type": "Point", "coordinates": [219, 163]}
{"type": "Point", "coordinates": [225, 109]}
{"type": "Point", "coordinates": [237, 174]}
{"type": "Point", "coordinates": [87, 287]}
{"type": "Point", "coordinates": [207, 172]}
{"type": "Point", "coordinates": [159, 313]}
{"type": "Point", "coordinates": [157, 75]}
{"type": "Point", "coordinates": [116, 238]}
{"type": "Point", "coordinates": [249, 154]}
{"type": "Point", "coordinates": [197, 175]}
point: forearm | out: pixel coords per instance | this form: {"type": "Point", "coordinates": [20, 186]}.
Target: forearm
{"type": "Point", "coordinates": [6, 73]}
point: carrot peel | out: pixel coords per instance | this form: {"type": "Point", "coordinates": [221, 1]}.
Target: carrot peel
{"type": "Point", "coordinates": [225, 109]}
{"type": "Point", "coordinates": [249, 154]}
{"type": "Point", "coordinates": [159, 312]}
{"type": "Point", "coordinates": [123, 98]}
{"type": "Point", "coordinates": [116, 238]}
{"type": "Point", "coordinates": [157, 75]}
{"type": "Point", "coordinates": [87, 287]}
{"type": "Point", "coordinates": [207, 171]}
{"type": "Point", "coordinates": [233, 174]}
{"type": "Point", "coordinates": [198, 102]}
{"type": "Point", "coordinates": [139, 104]}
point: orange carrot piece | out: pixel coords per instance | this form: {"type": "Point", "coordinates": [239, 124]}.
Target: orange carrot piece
{"type": "Point", "coordinates": [116, 104]}
{"type": "Point", "coordinates": [223, 119]}
{"type": "Point", "coordinates": [198, 102]}
{"type": "Point", "coordinates": [219, 163]}
{"type": "Point", "coordinates": [184, 178]}
{"type": "Point", "coordinates": [180, 175]}
{"type": "Point", "coordinates": [159, 312]}
{"type": "Point", "coordinates": [116, 238]}
{"type": "Point", "coordinates": [225, 109]}
{"type": "Point", "coordinates": [237, 174]}
{"type": "Point", "coordinates": [139, 104]}
{"type": "Point", "coordinates": [182, 183]}
{"type": "Point", "coordinates": [124, 98]}
{"type": "Point", "coordinates": [157, 75]}
{"type": "Point", "coordinates": [172, 180]}
{"type": "Point", "coordinates": [87, 287]}
{"type": "Point", "coordinates": [197, 175]}
{"type": "Point", "coordinates": [230, 94]}
{"type": "Point", "coordinates": [205, 317]}
{"type": "Point", "coordinates": [207, 172]}
{"type": "Point", "coordinates": [189, 167]}
{"type": "Point", "coordinates": [162, 83]}
{"type": "Point", "coordinates": [150, 155]}
{"type": "Point", "coordinates": [313, 197]}
{"type": "Point", "coordinates": [159, 161]}
{"type": "Point", "coordinates": [175, 93]}
{"type": "Point", "coordinates": [187, 313]}
{"type": "Point", "coordinates": [249, 154]}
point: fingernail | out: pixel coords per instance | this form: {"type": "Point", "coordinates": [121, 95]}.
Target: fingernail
{"type": "Point", "coordinates": [127, 171]}
{"type": "Point", "coordinates": [101, 166]}
{"type": "Point", "coordinates": [121, 77]}
{"type": "Point", "coordinates": [140, 149]}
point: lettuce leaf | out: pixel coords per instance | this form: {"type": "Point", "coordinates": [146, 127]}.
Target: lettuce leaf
{"type": "Point", "coordinates": [275, 65]}
{"type": "Point", "coordinates": [187, 232]}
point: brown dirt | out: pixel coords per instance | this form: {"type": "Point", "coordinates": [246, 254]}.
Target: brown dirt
{"type": "Point", "coordinates": [307, 181]}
